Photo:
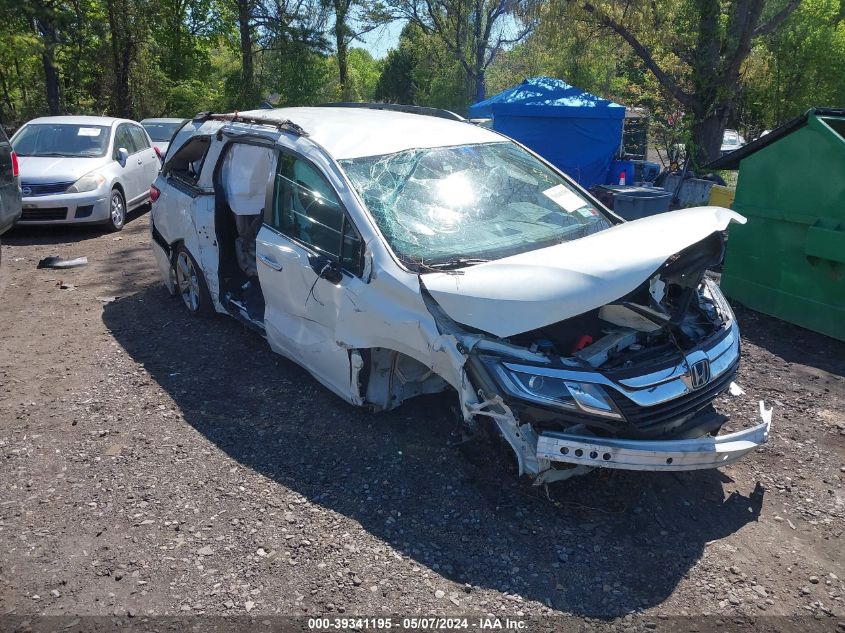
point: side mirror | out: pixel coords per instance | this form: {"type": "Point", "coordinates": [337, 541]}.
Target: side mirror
{"type": "Point", "coordinates": [122, 156]}
{"type": "Point", "coordinates": [326, 268]}
{"type": "Point", "coordinates": [331, 273]}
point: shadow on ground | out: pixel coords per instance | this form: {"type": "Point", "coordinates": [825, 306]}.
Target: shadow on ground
{"type": "Point", "coordinates": [602, 545]}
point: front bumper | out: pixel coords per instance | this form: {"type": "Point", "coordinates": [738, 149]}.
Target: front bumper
{"type": "Point", "coordinates": [66, 208]}
{"type": "Point", "coordinates": [667, 455]}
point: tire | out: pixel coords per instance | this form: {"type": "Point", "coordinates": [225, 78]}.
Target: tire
{"type": "Point", "coordinates": [117, 211]}
{"type": "Point", "coordinates": [190, 284]}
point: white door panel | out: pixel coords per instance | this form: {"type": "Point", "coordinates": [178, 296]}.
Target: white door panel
{"type": "Point", "coordinates": [135, 166]}
{"type": "Point", "coordinates": [301, 310]}
{"type": "Point", "coordinates": [129, 176]}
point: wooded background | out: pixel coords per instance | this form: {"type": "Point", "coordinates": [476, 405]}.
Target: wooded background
{"type": "Point", "coordinates": [697, 65]}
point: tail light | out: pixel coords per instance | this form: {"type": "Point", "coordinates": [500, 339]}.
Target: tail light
{"type": "Point", "coordinates": [158, 153]}
{"type": "Point", "coordinates": [154, 193]}
{"type": "Point", "coordinates": [16, 170]}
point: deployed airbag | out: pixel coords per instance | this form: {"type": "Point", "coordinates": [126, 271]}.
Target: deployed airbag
{"type": "Point", "coordinates": [247, 169]}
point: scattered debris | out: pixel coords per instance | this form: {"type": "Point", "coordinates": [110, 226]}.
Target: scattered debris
{"type": "Point", "coordinates": [66, 286]}
{"type": "Point", "coordinates": [113, 450]}
{"type": "Point", "coordinates": [736, 390]}
{"type": "Point", "coordinates": [54, 261]}
{"type": "Point", "coordinates": [220, 459]}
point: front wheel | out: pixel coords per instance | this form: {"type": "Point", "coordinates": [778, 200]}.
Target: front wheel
{"type": "Point", "coordinates": [117, 211]}
{"type": "Point", "coordinates": [190, 284]}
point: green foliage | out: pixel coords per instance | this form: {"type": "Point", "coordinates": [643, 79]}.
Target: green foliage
{"type": "Point", "coordinates": [800, 66]}
{"type": "Point", "coordinates": [566, 47]}
{"type": "Point", "coordinates": [421, 71]}
{"type": "Point", "coordinates": [178, 57]}
{"type": "Point", "coordinates": [364, 73]}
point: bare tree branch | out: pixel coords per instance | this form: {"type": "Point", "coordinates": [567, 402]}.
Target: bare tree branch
{"type": "Point", "coordinates": [668, 82]}
{"type": "Point", "coordinates": [777, 19]}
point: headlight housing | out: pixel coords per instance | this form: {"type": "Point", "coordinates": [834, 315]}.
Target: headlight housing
{"type": "Point", "coordinates": [89, 182]}
{"type": "Point", "coordinates": [551, 388]}
{"type": "Point", "coordinates": [714, 293]}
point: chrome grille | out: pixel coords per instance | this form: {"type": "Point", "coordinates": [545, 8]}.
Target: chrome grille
{"type": "Point", "coordinates": [653, 417]}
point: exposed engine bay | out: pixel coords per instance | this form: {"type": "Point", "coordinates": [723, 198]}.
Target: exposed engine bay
{"type": "Point", "coordinates": [598, 388]}
{"type": "Point", "coordinates": [670, 313]}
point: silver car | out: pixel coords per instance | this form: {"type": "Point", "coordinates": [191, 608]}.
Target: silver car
{"type": "Point", "coordinates": [731, 140]}
{"type": "Point", "coordinates": [161, 132]}
{"type": "Point", "coordinates": [83, 169]}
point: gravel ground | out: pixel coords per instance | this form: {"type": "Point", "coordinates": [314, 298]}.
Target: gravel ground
{"type": "Point", "coordinates": [156, 464]}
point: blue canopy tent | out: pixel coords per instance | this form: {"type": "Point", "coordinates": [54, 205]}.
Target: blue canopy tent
{"type": "Point", "coordinates": [574, 130]}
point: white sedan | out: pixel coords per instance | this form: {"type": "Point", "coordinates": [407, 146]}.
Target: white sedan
{"type": "Point", "coordinates": [83, 169]}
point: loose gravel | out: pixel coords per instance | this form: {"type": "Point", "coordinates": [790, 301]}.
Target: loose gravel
{"type": "Point", "coordinates": [152, 463]}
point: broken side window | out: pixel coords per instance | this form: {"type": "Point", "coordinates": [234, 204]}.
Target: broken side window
{"type": "Point", "coordinates": [186, 164]}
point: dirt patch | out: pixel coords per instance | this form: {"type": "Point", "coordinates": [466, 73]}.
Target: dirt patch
{"type": "Point", "coordinates": [155, 464]}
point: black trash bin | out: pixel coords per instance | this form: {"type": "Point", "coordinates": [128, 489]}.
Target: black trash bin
{"type": "Point", "coordinates": [631, 202]}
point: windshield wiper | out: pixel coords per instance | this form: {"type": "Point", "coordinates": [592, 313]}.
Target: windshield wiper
{"type": "Point", "coordinates": [456, 262]}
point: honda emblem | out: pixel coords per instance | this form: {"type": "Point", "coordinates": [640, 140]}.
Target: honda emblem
{"type": "Point", "coordinates": [699, 374]}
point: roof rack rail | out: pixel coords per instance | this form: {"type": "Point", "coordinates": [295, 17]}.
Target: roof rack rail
{"type": "Point", "coordinates": [396, 107]}
{"type": "Point", "coordinates": [236, 117]}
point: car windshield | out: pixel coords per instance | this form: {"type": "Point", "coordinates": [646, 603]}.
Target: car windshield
{"type": "Point", "coordinates": [61, 139]}
{"type": "Point", "coordinates": [730, 138]}
{"type": "Point", "coordinates": [161, 131]}
{"type": "Point", "coordinates": [459, 205]}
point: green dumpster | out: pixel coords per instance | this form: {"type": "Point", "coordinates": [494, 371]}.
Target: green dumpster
{"type": "Point", "coordinates": [788, 260]}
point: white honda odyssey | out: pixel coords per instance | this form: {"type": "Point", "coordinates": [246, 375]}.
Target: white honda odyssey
{"type": "Point", "coordinates": [83, 169]}
{"type": "Point", "coordinates": [395, 254]}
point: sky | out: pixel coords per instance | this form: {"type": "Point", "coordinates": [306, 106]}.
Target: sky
{"type": "Point", "coordinates": [381, 40]}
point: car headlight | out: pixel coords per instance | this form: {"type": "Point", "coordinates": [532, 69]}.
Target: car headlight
{"type": "Point", "coordinates": [543, 386]}
{"type": "Point", "coordinates": [714, 293]}
{"type": "Point", "coordinates": [90, 182]}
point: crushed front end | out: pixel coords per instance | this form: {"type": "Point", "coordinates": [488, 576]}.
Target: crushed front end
{"type": "Point", "coordinates": [628, 385]}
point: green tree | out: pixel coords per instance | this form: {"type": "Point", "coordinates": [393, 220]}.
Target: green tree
{"type": "Point", "coordinates": [695, 49]}
{"type": "Point", "coordinates": [800, 66]}
{"type": "Point", "coordinates": [473, 31]}
{"type": "Point", "coordinates": [566, 46]}
{"type": "Point", "coordinates": [364, 73]}
{"type": "Point", "coordinates": [352, 19]}
{"type": "Point", "coordinates": [422, 71]}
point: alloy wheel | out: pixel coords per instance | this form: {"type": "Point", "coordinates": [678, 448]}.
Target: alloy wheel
{"type": "Point", "coordinates": [118, 210]}
{"type": "Point", "coordinates": [187, 282]}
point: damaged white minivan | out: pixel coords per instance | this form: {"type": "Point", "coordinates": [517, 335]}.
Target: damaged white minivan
{"type": "Point", "coordinates": [394, 254]}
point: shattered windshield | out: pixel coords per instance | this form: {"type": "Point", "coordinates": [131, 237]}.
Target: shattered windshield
{"type": "Point", "coordinates": [452, 206]}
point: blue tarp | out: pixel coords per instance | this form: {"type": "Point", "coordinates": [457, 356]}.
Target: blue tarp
{"type": "Point", "coordinates": [578, 132]}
